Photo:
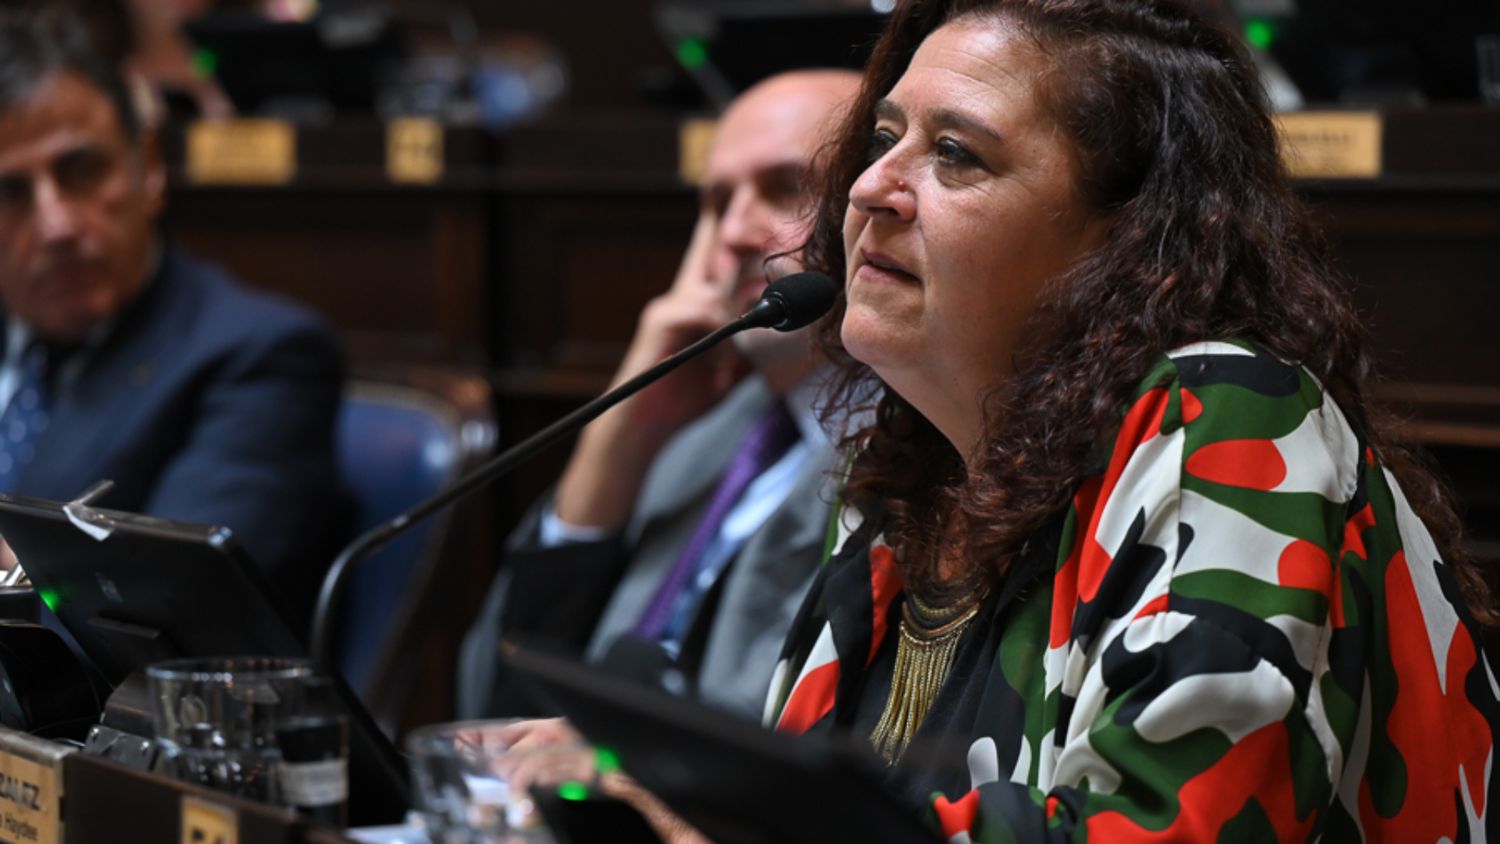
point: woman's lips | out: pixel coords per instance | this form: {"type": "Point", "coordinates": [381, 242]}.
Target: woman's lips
{"type": "Point", "coordinates": [877, 266]}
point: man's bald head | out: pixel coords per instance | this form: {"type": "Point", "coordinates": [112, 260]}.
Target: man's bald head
{"type": "Point", "coordinates": [757, 177]}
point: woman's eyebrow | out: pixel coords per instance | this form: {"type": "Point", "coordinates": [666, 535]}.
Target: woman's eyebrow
{"type": "Point", "coordinates": [953, 118]}
{"type": "Point", "coordinates": [943, 116]}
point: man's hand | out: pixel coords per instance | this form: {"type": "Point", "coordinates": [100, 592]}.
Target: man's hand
{"type": "Point", "coordinates": [604, 475]}
{"type": "Point", "coordinates": [669, 323]}
{"type": "Point", "coordinates": [691, 309]}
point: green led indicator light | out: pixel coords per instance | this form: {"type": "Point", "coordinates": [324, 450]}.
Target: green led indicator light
{"type": "Point", "coordinates": [573, 790]}
{"type": "Point", "coordinates": [691, 52]}
{"type": "Point", "coordinates": [49, 597]}
{"type": "Point", "coordinates": [205, 63]}
{"type": "Point", "coordinates": [1260, 34]}
{"type": "Point", "coordinates": [606, 760]}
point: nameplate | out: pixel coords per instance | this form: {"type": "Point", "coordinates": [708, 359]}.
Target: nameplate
{"type": "Point", "coordinates": [414, 150]}
{"type": "Point", "coordinates": [1331, 144]}
{"type": "Point", "coordinates": [31, 785]}
{"type": "Point", "coordinates": [208, 823]}
{"type": "Point", "coordinates": [694, 139]}
{"type": "Point", "coordinates": [241, 152]}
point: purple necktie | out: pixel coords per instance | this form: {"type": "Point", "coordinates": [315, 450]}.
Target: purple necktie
{"type": "Point", "coordinates": [765, 442]}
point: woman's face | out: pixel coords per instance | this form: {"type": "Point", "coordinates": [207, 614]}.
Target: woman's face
{"type": "Point", "coordinates": [968, 206]}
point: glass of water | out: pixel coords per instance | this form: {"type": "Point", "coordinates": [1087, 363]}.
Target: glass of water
{"type": "Point", "coordinates": [217, 721]}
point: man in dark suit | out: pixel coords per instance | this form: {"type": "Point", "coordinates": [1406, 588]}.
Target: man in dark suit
{"type": "Point", "coordinates": [123, 358]}
{"type": "Point", "coordinates": [647, 534]}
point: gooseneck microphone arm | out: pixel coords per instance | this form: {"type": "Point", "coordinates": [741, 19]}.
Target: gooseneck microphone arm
{"type": "Point", "coordinates": [788, 304]}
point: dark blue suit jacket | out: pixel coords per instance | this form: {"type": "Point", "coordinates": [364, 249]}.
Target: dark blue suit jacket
{"type": "Point", "coordinates": [209, 403]}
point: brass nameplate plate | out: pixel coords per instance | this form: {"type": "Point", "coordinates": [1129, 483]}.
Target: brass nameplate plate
{"type": "Point", "coordinates": [1331, 144]}
{"type": "Point", "coordinates": [241, 152]}
{"type": "Point", "coordinates": [414, 150]}
{"type": "Point", "coordinates": [694, 139]}
{"type": "Point", "coordinates": [31, 784]}
{"type": "Point", "coordinates": [208, 823]}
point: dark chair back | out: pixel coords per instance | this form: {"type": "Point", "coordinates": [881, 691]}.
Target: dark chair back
{"type": "Point", "coordinates": [403, 435]}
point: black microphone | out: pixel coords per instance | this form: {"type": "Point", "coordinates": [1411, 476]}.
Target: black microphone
{"type": "Point", "coordinates": [792, 302]}
{"type": "Point", "coordinates": [788, 304]}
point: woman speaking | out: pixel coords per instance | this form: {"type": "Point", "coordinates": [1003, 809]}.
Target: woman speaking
{"type": "Point", "coordinates": [1134, 559]}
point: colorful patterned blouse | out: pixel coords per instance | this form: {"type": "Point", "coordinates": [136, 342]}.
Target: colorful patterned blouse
{"type": "Point", "coordinates": [1238, 632]}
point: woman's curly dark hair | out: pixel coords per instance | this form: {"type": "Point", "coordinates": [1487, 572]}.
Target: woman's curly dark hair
{"type": "Point", "coordinates": [1176, 149]}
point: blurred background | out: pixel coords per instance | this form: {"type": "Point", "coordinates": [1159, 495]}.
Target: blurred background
{"type": "Point", "coordinates": [498, 187]}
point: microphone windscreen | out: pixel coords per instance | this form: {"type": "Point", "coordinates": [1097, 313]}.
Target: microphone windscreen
{"type": "Point", "coordinates": [803, 296]}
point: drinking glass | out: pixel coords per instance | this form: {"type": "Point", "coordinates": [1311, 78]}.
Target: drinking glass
{"type": "Point", "coordinates": [225, 723]}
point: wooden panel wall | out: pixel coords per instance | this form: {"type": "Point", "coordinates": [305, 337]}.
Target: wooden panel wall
{"type": "Point", "coordinates": [1424, 259]}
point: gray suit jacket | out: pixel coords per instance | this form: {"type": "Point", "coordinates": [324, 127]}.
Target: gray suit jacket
{"type": "Point", "coordinates": [758, 595]}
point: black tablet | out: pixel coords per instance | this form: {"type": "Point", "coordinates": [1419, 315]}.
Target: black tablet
{"type": "Point", "coordinates": [731, 778]}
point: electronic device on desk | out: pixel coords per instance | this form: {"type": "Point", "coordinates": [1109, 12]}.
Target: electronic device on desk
{"type": "Point", "coordinates": [725, 46]}
{"type": "Point", "coordinates": [134, 589]}
{"type": "Point", "coordinates": [1373, 53]}
{"type": "Point", "coordinates": [334, 62]}
{"type": "Point", "coordinates": [730, 778]}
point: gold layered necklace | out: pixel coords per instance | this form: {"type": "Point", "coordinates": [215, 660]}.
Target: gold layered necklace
{"type": "Point", "coordinates": [927, 639]}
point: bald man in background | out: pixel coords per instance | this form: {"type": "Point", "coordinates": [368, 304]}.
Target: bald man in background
{"type": "Point", "coordinates": [648, 535]}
